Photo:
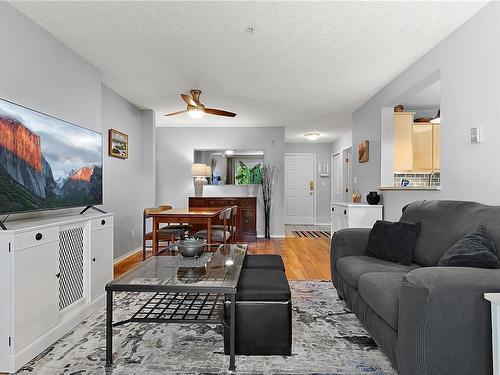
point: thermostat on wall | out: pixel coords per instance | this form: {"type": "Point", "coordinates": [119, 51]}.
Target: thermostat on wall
{"type": "Point", "coordinates": [476, 135]}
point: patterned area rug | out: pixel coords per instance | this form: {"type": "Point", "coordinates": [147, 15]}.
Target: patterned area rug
{"type": "Point", "coordinates": [311, 233]}
{"type": "Point", "coordinates": [328, 339]}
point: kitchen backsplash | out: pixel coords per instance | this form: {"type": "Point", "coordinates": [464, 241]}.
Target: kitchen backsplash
{"type": "Point", "coordinates": [417, 179]}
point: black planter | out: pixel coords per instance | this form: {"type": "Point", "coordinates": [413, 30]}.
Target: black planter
{"type": "Point", "coordinates": [373, 198]}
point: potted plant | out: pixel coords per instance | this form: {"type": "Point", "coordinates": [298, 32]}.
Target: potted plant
{"type": "Point", "coordinates": [250, 176]}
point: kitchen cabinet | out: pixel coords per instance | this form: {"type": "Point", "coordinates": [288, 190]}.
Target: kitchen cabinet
{"type": "Point", "coordinates": [422, 148]}
{"type": "Point", "coordinates": [403, 141]}
{"type": "Point", "coordinates": [416, 145]}
{"type": "Point", "coordinates": [436, 147]}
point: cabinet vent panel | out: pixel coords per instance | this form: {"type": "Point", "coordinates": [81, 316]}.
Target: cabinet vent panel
{"type": "Point", "coordinates": [71, 249]}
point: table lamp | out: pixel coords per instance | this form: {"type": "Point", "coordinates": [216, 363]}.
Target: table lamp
{"type": "Point", "coordinates": [199, 171]}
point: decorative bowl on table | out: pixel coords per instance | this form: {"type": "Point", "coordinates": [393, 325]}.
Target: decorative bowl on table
{"type": "Point", "coordinates": [191, 247]}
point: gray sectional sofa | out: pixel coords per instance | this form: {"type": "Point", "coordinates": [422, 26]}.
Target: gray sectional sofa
{"type": "Point", "coordinates": [427, 319]}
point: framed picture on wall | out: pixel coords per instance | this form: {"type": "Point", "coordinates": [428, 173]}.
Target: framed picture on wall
{"type": "Point", "coordinates": [117, 144]}
{"type": "Point", "coordinates": [363, 152]}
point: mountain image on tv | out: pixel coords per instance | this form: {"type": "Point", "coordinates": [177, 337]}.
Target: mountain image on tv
{"type": "Point", "coordinates": [46, 163]}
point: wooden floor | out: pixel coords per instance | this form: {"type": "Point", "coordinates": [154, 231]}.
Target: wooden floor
{"type": "Point", "coordinates": [304, 258]}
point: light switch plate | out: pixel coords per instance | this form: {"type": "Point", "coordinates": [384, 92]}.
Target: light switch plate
{"type": "Point", "coordinates": [476, 135]}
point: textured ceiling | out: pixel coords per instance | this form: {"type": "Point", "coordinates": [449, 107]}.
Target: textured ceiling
{"type": "Point", "coordinates": [307, 65]}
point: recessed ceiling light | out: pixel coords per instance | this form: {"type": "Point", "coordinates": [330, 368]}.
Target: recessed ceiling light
{"type": "Point", "coordinates": [312, 136]}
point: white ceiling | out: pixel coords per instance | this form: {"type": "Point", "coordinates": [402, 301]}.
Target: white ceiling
{"type": "Point", "coordinates": [307, 65]}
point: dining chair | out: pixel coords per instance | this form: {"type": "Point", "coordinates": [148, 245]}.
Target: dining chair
{"type": "Point", "coordinates": [220, 233]}
{"type": "Point", "coordinates": [231, 225]}
{"type": "Point", "coordinates": [168, 233]}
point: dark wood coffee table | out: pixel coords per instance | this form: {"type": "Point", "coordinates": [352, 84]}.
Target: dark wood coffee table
{"type": "Point", "coordinates": [186, 291]}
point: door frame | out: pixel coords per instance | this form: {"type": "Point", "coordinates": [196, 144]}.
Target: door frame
{"type": "Point", "coordinates": [341, 152]}
{"type": "Point", "coordinates": [314, 180]}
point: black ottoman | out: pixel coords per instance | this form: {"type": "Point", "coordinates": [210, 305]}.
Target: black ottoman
{"type": "Point", "coordinates": [267, 261]}
{"type": "Point", "coordinates": [263, 314]}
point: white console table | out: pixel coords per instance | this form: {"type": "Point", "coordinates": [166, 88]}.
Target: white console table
{"type": "Point", "coordinates": [52, 276]}
{"type": "Point", "coordinates": [494, 298]}
{"type": "Point", "coordinates": [354, 215]}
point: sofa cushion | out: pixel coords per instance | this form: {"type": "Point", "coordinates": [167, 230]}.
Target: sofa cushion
{"type": "Point", "coordinates": [381, 291]}
{"type": "Point", "coordinates": [394, 242]}
{"type": "Point", "coordinates": [443, 223]}
{"type": "Point", "coordinates": [475, 249]}
{"type": "Point", "coordinates": [263, 285]}
{"type": "Point", "coordinates": [352, 267]}
{"type": "Point", "coordinates": [268, 261]}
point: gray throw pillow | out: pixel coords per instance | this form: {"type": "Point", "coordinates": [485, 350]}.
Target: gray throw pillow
{"type": "Point", "coordinates": [475, 249]}
{"type": "Point", "coordinates": [394, 242]}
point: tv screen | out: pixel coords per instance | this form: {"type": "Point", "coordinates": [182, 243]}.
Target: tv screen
{"type": "Point", "coordinates": [46, 163]}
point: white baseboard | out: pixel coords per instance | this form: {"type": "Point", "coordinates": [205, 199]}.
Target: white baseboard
{"type": "Point", "coordinates": [124, 256]}
{"type": "Point", "coordinates": [67, 324]}
{"type": "Point", "coordinates": [273, 236]}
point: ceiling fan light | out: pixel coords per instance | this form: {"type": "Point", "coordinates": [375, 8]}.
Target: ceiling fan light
{"type": "Point", "coordinates": [312, 136]}
{"type": "Point", "coordinates": [195, 113]}
{"type": "Point", "coordinates": [437, 118]}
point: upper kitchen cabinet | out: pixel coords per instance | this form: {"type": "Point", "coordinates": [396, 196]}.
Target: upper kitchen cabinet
{"type": "Point", "coordinates": [416, 145]}
{"type": "Point", "coordinates": [403, 141]}
{"type": "Point", "coordinates": [422, 147]}
{"type": "Point", "coordinates": [436, 147]}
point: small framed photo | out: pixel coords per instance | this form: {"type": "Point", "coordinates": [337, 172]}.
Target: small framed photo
{"type": "Point", "coordinates": [363, 152]}
{"type": "Point", "coordinates": [118, 144]}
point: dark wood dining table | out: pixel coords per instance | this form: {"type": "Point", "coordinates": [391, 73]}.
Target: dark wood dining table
{"type": "Point", "coordinates": [193, 215]}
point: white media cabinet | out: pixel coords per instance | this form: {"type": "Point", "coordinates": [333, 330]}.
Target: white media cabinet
{"type": "Point", "coordinates": [354, 215]}
{"type": "Point", "coordinates": [52, 276]}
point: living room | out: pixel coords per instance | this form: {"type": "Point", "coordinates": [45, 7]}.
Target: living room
{"type": "Point", "coordinates": [310, 83]}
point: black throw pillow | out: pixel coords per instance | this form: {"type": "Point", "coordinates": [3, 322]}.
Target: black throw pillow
{"type": "Point", "coordinates": [394, 242]}
{"type": "Point", "coordinates": [475, 249]}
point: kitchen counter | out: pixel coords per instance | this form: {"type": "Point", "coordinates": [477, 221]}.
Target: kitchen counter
{"type": "Point", "coordinates": [431, 188]}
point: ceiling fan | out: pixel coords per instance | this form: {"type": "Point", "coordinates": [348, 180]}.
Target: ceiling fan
{"type": "Point", "coordinates": [196, 109]}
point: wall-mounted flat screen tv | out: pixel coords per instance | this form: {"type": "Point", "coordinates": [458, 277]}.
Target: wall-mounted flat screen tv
{"type": "Point", "coordinates": [46, 163]}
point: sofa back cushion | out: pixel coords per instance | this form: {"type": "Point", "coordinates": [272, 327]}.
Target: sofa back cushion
{"type": "Point", "coordinates": [443, 223]}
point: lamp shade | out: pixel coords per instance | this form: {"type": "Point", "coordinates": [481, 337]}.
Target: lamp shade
{"type": "Point", "coordinates": [198, 170]}
{"type": "Point", "coordinates": [209, 171]}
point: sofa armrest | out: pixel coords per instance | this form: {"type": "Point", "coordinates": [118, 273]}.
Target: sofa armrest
{"type": "Point", "coordinates": [444, 324]}
{"type": "Point", "coordinates": [345, 242]}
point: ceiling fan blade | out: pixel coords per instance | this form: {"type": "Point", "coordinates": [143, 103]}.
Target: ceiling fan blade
{"type": "Point", "coordinates": [189, 100]}
{"type": "Point", "coordinates": [219, 112]}
{"type": "Point", "coordinates": [175, 113]}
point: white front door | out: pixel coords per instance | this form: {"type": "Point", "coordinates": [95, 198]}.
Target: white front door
{"type": "Point", "coordinates": [337, 178]}
{"type": "Point", "coordinates": [299, 188]}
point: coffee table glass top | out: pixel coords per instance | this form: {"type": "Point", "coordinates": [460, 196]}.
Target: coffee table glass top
{"type": "Point", "coordinates": [218, 268]}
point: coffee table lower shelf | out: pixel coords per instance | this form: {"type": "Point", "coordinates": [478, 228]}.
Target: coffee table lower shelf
{"type": "Point", "coordinates": [175, 307]}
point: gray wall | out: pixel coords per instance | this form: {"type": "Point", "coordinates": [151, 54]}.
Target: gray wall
{"type": "Point", "coordinates": [342, 143]}
{"type": "Point", "coordinates": [468, 61]}
{"type": "Point", "coordinates": [323, 153]}
{"type": "Point", "coordinates": [41, 73]}
{"type": "Point", "coordinates": [126, 179]}
{"type": "Point", "coordinates": [175, 146]}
